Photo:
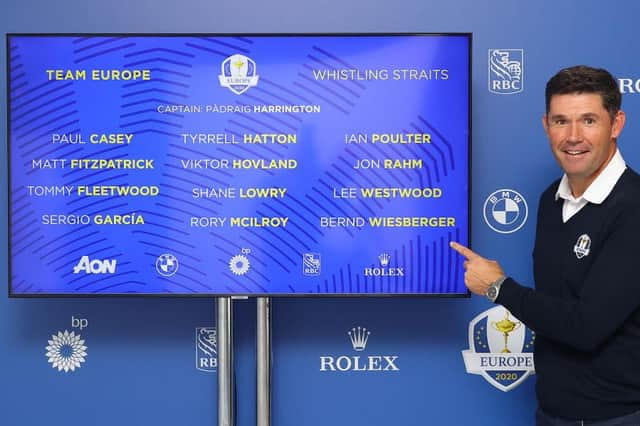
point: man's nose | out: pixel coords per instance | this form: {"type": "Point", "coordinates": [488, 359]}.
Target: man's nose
{"type": "Point", "coordinates": [575, 132]}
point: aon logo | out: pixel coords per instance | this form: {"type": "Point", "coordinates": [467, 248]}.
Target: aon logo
{"type": "Point", "coordinates": [96, 266]}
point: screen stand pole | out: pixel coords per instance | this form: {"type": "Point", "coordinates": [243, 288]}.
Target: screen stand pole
{"type": "Point", "coordinates": [225, 361]}
{"type": "Point", "coordinates": [263, 362]}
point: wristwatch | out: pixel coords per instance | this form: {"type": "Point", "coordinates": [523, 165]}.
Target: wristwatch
{"type": "Point", "coordinates": [494, 289]}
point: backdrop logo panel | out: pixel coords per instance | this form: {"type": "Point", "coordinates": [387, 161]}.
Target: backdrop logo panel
{"type": "Point", "coordinates": [206, 349]}
{"type": "Point", "coordinates": [358, 339]}
{"type": "Point", "coordinates": [505, 211]}
{"type": "Point", "coordinates": [506, 71]}
{"type": "Point", "coordinates": [500, 349]}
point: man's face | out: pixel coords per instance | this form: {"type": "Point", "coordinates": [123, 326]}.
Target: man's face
{"type": "Point", "coordinates": [582, 136]}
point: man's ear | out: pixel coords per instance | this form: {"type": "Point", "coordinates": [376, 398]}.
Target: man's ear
{"type": "Point", "coordinates": [545, 124]}
{"type": "Point", "coordinates": [618, 124]}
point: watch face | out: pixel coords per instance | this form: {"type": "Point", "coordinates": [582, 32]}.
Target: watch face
{"type": "Point", "coordinates": [492, 293]}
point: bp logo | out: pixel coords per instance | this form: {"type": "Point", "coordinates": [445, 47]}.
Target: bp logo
{"type": "Point", "coordinates": [500, 349]}
{"type": "Point", "coordinates": [505, 211]}
{"type": "Point", "coordinates": [66, 351]}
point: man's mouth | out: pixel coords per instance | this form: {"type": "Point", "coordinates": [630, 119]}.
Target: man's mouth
{"type": "Point", "coordinates": [575, 152]}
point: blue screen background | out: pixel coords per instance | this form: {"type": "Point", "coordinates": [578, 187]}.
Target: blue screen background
{"type": "Point", "coordinates": [184, 71]}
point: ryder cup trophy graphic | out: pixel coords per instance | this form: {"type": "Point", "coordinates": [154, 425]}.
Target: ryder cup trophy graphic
{"type": "Point", "coordinates": [505, 327]}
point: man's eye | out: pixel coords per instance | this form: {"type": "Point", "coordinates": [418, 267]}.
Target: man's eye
{"type": "Point", "coordinates": [589, 121]}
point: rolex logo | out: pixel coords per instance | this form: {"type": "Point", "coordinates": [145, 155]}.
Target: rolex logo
{"type": "Point", "coordinates": [384, 270]}
{"type": "Point", "coordinates": [359, 337]}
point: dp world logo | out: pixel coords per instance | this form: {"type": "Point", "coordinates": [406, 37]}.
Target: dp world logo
{"type": "Point", "coordinates": [238, 74]}
{"type": "Point", "coordinates": [358, 337]}
{"type": "Point", "coordinates": [505, 211]}
{"type": "Point", "coordinates": [500, 349]}
{"type": "Point", "coordinates": [505, 71]}
{"type": "Point", "coordinates": [206, 349]}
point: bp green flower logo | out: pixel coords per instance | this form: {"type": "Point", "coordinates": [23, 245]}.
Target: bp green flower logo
{"type": "Point", "coordinates": [66, 351]}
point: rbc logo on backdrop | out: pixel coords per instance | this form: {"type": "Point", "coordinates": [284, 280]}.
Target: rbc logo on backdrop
{"type": "Point", "coordinates": [506, 71]}
{"type": "Point", "coordinates": [206, 349]}
{"type": "Point", "coordinates": [505, 211]}
{"type": "Point", "coordinates": [359, 337]}
{"type": "Point", "coordinates": [500, 349]}
{"type": "Point", "coordinates": [238, 74]}
{"type": "Point", "coordinates": [629, 85]}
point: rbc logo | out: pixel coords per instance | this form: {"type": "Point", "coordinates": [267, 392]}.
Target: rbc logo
{"type": "Point", "coordinates": [505, 211]}
{"type": "Point", "coordinates": [311, 264]}
{"type": "Point", "coordinates": [206, 349]}
{"type": "Point", "coordinates": [95, 266]}
{"type": "Point", "coordinates": [505, 71]}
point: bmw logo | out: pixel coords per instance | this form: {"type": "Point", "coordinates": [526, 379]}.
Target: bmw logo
{"type": "Point", "coordinates": [167, 265]}
{"type": "Point", "coordinates": [505, 211]}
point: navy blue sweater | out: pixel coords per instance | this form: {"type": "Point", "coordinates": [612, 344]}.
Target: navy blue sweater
{"type": "Point", "coordinates": [585, 311]}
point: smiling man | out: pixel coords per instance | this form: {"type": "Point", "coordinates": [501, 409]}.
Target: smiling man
{"type": "Point", "coordinates": [585, 307]}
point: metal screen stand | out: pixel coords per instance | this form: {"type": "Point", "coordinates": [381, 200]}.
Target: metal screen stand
{"type": "Point", "coordinates": [225, 361]}
{"type": "Point", "coordinates": [263, 361]}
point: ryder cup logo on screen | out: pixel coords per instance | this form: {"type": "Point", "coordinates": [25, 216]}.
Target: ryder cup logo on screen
{"type": "Point", "coordinates": [66, 351]}
{"type": "Point", "coordinates": [505, 211]}
{"type": "Point", "coordinates": [358, 338]}
{"type": "Point", "coordinates": [500, 349]}
{"type": "Point", "coordinates": [506, 71]}
{"type": "Point", "coordinates": [238, 74]}
{"type": "Point", "coordinates": [206, 349]}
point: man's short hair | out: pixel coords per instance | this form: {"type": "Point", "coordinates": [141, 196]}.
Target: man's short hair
{"type": "Point", "coordinates": [584, 79]}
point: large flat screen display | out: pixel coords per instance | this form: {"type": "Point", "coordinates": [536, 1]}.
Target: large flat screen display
{"type": "Point", "coordinates": [267, 165]}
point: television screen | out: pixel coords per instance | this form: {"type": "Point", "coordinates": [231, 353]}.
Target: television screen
{"type": "Point", "coordinates": [266, 165]}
